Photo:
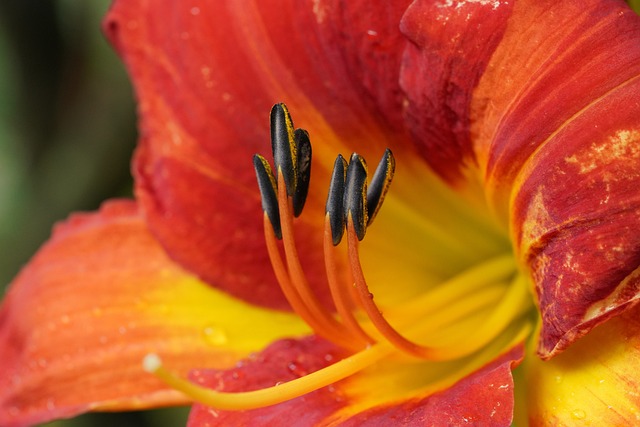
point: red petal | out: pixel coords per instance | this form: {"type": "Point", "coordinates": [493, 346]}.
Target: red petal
{"type": "Point", "coordinates": [206, 75]}
{"type": "Point", "coordinates": [454, 42]}
{"type": "Point", "coordinates": [484, 397]}
{"type": "Point", "coordinates": [558, 127]}
{"type": "Point", "coordinates": [100, 295]}
{"type": "Point", "coordinates": [282, 361]}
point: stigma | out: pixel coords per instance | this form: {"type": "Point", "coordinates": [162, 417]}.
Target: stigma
{"type": "Point", "coordinates": [356, 322]}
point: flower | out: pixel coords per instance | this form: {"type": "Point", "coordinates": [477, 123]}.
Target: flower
{"type": "Point", "coordinates": [514, 127]}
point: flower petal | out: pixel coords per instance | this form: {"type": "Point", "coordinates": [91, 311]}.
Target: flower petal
{"type": "Point", "coordinates": [453, 43]}
{"type": "Point", "coordinates": [206, 75]}
{"type": "Point", "coordinates": [558, 129]}
{"type": "Point", "coordinates": [542, 96]}
{"type": "Point", "coordinates": [97, 298]}
{"type": "Point", "coordinates": [596, 379]}
{"type": "Point", "coordinates": [484, 395]}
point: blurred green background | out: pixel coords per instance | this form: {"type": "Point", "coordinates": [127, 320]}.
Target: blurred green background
{"type": "Point", "coordinates": [67, 131]}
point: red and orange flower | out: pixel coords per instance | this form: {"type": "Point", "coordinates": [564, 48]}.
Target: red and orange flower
{"type": "Point", "coordinates": [510, 227]}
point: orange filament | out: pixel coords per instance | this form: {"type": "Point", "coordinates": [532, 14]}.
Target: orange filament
{"type": "Point", "coordinates": [372, 310]}
{"type": "Point", "coordinates": [334, 330]}
{"type": "Point", "coordinates": [341, 295]}
{"type": "Point", "coordinates": [289, 289]}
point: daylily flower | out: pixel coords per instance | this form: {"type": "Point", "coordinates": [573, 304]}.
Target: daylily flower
{"type": "Point", "coordinates": [510, 227]}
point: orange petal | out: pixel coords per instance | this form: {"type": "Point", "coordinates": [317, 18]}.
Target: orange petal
{"type": "Point", "coordinates": [594, 382]}
{"type": "Point", "coordinates": [558, 126]}
{"type": "Point", "coordinates": [206, 76]}
{"type": "Point", "coordinates": [484, 396]}
{"type": "Point", "coordinates": [100, 295]}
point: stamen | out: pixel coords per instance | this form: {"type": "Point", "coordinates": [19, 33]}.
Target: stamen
{"type": "Point", "coordinates": [271, 395]}
{"type": "Point", "coordinates": [335, 200]}
{"type": "Point", "coordinates": [355, 194]}
{"type": "Point", "coordinates": [298, 277]}
{"type": "Point", "coordinates": [372, 310]}
{"type": "Point", "coordinates": [380, 184]}
{"type": "Point", "coordinates": [267, 186]}
{"type": "Point", "coordinates": [291, 292]}
{"type": "Point", "coordinates": [353, 205]}
{"type": "Point", "coordinates": [511, 306]}
{"type": "Point", "coordinates": [303, 147]}
{"type": "Point", "coordinates": [340, 293]}
{"type": "Point", "coordinates": [284, 146]}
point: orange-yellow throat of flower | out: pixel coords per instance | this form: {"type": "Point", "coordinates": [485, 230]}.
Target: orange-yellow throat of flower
{"type": "Point", "coordinates": [457, 319]}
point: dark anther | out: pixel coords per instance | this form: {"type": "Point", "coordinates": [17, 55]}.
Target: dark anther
{"type": "Point", "coordinates": [356, 193]}
{"type": "Point", "coordinates": [303, 148]}
{"type": "Point", "coordinates": [334, 206]}
{"type": "Point", "coordinates": [380, 184]}
{"type": "Point", "coordinates": [284, 146]}
{"type": "Point", "coordinates": [267, 185]}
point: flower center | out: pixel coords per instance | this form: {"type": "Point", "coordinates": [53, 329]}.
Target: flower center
{"type": "Point", "coordinates": [452, 321]}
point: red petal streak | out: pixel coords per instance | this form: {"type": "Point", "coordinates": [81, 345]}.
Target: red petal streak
{"type": "Point", "coordinates": [454, 42]}
{"type": "Point", "coordinates": [558, 125]}
{"type": "Point", "coordinates": [484, 397]}
{"type": "Point", "coordinates": [206, 75]}
{"type": "Point", "coordinates": [75, 325]}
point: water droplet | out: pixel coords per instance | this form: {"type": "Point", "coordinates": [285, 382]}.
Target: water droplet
{"type": "Point", "coordinates": [214, 335]}
{"type": "Point", "coordinates": [328, 357]}
{"type": "Point", "coordinates": [65, 319]}
{"type": "Point", "coordinates": [195, 11]}
{"type": "Point", "coordinates": [296, 369]}
{"type": "Point", "coordinates": [51, 404]}
{"type": "Point", "coordinates": [578, 414]}
{"type": "Point", "coordinates": [558, 379]}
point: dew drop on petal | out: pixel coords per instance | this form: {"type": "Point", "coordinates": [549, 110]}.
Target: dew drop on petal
{"type": "Point", "coordinates": [578, 414]}
{"type": "Point", "coordinates": [214, 335]}
{"type": "Point", "coordinates": [296, 369]}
